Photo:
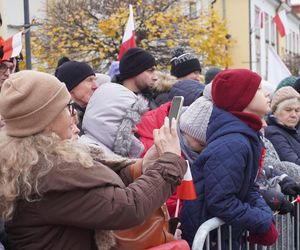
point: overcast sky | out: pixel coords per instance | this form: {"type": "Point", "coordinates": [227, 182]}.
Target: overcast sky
{"type": "Point", "coordinates": [295, 1]}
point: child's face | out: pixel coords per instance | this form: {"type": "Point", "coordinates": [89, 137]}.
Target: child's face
{"type": "Point", "coordinates": [260, 104]}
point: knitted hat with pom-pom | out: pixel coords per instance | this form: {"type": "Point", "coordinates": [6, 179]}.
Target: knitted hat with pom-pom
{"type": "Point", "coordinates": [183, 63]}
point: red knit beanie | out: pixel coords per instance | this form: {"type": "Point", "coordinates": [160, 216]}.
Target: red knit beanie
{"type": "Point", "coordinates": [233, 90]}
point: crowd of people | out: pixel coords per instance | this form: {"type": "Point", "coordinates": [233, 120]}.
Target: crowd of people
{"type": "Point", "coordinates": [71, 141]}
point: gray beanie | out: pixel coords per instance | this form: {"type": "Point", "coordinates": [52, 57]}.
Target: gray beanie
{"type": "Point", "coordinates": [210, 74]}
{"type": "Point", "coordinates": [207, 91]}
{"type": "Point", "coordinates": [194, 121]}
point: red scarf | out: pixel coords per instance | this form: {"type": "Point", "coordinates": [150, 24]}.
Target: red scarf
{"type": "Point", "coordinates": [253, 121]}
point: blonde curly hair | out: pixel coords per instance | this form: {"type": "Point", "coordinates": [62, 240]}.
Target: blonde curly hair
{"type": "Point", "coordinates": [19, 157]}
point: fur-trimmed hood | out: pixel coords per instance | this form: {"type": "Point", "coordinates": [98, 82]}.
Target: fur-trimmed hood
{"type": "Point", "coordinates": [112, 113]}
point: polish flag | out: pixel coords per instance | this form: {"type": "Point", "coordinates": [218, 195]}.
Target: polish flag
{"type": "Point", "coordinates": [277, 70]}
{"type": "Point", "coordinates": [129, 35]}
{"type": "Point", "coordinates": [261, 18]}
{"type": "Point", "coordinates": [282, 23]}
{"type": "Point", "coordinates": [12, 46]}
{"type": "Point", "coordinates": [186, 190]}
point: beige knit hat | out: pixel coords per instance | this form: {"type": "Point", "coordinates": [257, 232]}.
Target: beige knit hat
{"type": "Point", "coordinates": [30, 101]}
{"type": "Point", "coordinates": [283, 94]}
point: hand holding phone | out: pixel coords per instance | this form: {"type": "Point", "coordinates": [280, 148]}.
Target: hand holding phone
{"type": "Point", "coordinates": [166, 139]}
{"type": "Point", "coordinates": [173, 225]}
{"type": "Point", "coordinates": [175, 109]}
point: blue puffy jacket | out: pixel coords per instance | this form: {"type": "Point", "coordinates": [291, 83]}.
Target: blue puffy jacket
{"type": "Point", "coordinates": [189, 89]}
{"type": "Point", "coordinates": [224, 176]}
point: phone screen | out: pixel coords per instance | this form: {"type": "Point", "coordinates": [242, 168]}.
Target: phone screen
{"type": "Point", "coordinates": [175, 108]}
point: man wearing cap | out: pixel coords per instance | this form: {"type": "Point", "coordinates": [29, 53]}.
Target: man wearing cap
{"type": "Point", "coordinates": [138, 73]}
{"type": "Point", "coordinates": [187, 69]}
{"type": "Point", "coordinates": [115, 108]}
{"type": "Point", "coordinates": [80, 81]}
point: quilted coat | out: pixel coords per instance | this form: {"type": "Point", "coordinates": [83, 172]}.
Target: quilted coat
{"type": "Point", "coordinates": [224, 176]}
{"type": "Point", "coordinates": [285, 140]}
{"type": "Point", "coordinates": [189, 89]}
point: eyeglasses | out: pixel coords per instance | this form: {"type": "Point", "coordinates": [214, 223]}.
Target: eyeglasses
{"type": "Point", "coordinates": [4, 67]}
{"type": "Point", "coordinates": [71, 108]}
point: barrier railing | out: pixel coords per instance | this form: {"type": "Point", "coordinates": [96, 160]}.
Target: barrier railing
{"type": "Point", "coordinates": [287, 226]}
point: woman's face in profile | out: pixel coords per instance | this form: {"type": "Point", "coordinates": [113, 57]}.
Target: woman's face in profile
{"type": "Point", "coordinates": [62, 125]}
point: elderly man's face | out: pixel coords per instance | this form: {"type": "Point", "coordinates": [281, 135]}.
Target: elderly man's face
{"type": "Point", "coordinates": [6, 68]}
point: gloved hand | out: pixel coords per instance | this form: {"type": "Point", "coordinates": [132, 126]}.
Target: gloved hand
{"type": "Point", "coordinates": [276, 201]}
{"type": "Point", "coordinates": [289, 186]}
{"type": "Point", "coordinates": [267, 239]}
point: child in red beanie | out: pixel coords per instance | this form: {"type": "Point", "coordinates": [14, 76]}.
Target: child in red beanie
{"type": "Point", "coordinates": [225, 172]}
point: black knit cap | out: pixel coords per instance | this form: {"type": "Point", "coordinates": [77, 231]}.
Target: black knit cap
{"type": "Point", "coordinates": [134, 62]}
{"type": "Point", "coordinates": [72, 73]}
{"type": "Point", "coordinates": [183, 63]}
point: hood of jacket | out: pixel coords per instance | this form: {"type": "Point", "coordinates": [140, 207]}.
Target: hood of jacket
{"type": "Point", "coordinates": [110, 116]}
{"type": "Point", "coordinates": [189, 89]}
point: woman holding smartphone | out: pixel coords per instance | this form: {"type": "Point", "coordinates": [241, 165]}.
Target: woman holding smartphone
{"type": "Point", "coordinates": [53, 195]}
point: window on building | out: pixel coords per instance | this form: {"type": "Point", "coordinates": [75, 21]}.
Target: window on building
{"type": "Point", "coordinates": [288, 43]}
{"type": "Point", "coordinates": [257, 40]}
{"type": "Point", "coordinates": [267, 28]}
{"type": "Point", "coordinates": [258, 55]}
{"type": "Point", "coordinates": [297, 44]}
{"type": "Point", "coordinates": [273, 33]}
{"type": "Point", "coordinates": [257, 22]}
{"type": "Point", "coordinates": [193, 9]}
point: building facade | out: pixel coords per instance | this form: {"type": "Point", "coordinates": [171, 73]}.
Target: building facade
{"type": "Point", "coordinates": [251, 26]}
{"type": "Point", "coordinates": [12, 14]}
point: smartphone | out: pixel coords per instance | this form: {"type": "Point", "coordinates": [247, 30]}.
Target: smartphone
{"type": "Point", "coordinates": [175, 109]}
{"type": "Point", "coordinates": [173, 223]}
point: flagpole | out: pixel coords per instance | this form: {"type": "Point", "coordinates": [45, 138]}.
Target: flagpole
{"type": "Point", "coordinates": [27, 34]}
{"type": "Point", "coordinates": [177, 208]}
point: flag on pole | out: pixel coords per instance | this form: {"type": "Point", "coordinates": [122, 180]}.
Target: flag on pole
{"type": "Point", "coordinates": [129, 35]}
{"type": "Point", "coordinates": [12, 46]}
{"type": "Point", "coordinates": [186, 190]}
{"type": "Point", "coordinates": [282, 23]}
{"type": "Point", "coordinates": [261, 19]}
{"type": "Point", "coordinates": [277, 70]}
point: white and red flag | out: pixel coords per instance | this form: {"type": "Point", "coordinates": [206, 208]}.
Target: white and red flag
{"type": "Point", "coordinates": [282, 23]}
{"type": "Point", "coordinates": [277, 70]}
{"type": "Point", "coordinates": [261, 18]}
{"type": "Point", "coordinates": [186, 190]}
{"type": "Point", "coordinates": [12, 46]}
{"type": "Point", "coordinates": [129, 35]}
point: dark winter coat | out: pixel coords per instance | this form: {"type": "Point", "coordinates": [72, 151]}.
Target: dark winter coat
{"type": "Point", "coordinates": [224, 175]}
{"type": "Point", "coordinates": [286, 141]}
{"type": "Point", "coordinates": [76, 201]}
{"type": "Point", "coordinates": [189, 89]}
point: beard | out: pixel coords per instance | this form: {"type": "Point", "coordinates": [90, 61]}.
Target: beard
{"type": "Point", "coordinates": [147, 92]}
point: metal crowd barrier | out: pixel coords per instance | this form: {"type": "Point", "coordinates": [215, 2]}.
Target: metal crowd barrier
{"type": "Point", "coordinates": [287, 226]}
